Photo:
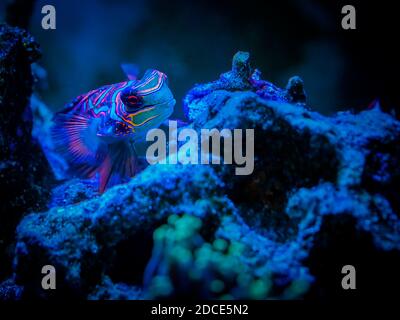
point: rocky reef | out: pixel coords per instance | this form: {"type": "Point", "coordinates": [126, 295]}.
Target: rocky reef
{"type": "Point", "coordinates": [25, 175]}
{"type": "Point", "coordinates": [323, 194]}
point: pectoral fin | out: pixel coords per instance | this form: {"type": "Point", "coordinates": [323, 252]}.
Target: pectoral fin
{"type": "Point", "coordinates": [74, 137]}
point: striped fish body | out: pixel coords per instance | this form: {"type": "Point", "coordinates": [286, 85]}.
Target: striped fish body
{"type": "Point", "coordinates": [96, 131]}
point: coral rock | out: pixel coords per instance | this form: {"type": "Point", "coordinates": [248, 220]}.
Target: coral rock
{"type": "Point", "coordinates": [324, 193]}
{"type": "Point", "coordinates": [24, 171]}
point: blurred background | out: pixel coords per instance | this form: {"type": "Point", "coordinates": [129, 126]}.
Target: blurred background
{"type": "Point", "coordinates": [194, 41]}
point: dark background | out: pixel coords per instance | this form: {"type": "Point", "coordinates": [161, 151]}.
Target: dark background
{"type": "Point", "coordinates": [194, 41]}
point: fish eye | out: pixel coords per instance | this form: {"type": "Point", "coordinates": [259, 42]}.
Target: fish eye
{"type": "Point", "coordinates": [132, 102]}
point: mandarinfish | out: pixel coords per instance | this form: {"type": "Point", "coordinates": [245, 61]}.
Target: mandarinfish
{"type": "Point", "coordinates": [96, 131]}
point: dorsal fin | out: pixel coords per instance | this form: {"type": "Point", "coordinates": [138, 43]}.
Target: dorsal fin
{"type": "Point", "coordinates": [131, 70]}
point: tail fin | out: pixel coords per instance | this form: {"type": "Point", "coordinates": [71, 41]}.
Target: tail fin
{"type": "Point", "coordinates": [75, 138]}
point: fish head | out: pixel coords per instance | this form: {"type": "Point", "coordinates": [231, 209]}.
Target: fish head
{"type": "Point", "coordinates": [148, 102]}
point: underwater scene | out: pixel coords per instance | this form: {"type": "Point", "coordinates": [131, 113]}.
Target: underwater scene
{"type": "Point", "coordinates": [202, 150]}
